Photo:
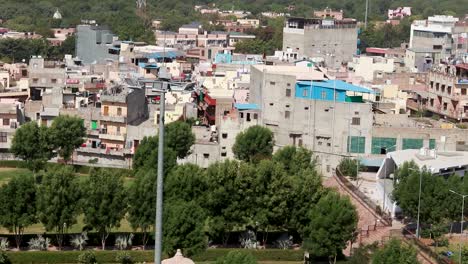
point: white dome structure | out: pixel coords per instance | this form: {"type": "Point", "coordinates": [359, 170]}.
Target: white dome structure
{"type": "Point", "coordinates": [57, 14]}
{"type": "Point", "coordinates": [178, 259]}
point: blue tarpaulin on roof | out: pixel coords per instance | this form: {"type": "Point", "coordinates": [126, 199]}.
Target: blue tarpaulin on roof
{"type": "Point", "coordinates": [246, 106]}
{"type": "Point", "coordinates": [159, 55]}
{"type": "Point", "coordinates": [148, 65]}
{"type": "Point", "coordinates": [336, 84]}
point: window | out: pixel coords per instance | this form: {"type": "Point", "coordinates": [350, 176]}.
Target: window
{"type": "Point", "coordinates": [118, 130]}
{"type": "Point", "coordinates": [119, 111]}
{"type": "Point", "coordinates": [287, 106]}
{"type": "Point", "coordinates": [206, 155]}
{"type": "Point", "coordinates": [248, 117]}
{"type": "Point", "coordinates": [224, 135]}
{"type": "Point", "coordinates": [432, 101]}
{"type": "Point", "coordinates": [432, 84]}
{"type": "Point", "coordinates": [271, 104]}
{"type": "Point", "coordinates": [288, 92]}
{"type": "Point", "coordinates": [272, 83]}
{"type": "Point", "coordinates": [356, 121]}
{"type": "Point", "coordinates": [437, 86]}
{"type": "Point", "coordinates": [356, 113]}
{"type": "Point", "coordinates": [242, 115]}
{"type": "Point", "coordinates": [445, 106]}
{"type": "Point", "coordinates": [449, 89]}
{"type": "Point", "coordinates": [53, 80]}
{"type": "Point", "coordinates": [328, 144]}
{"type": "Point", "coordinates": [463, 91]}
{"type": "Point", "coordinates": [306, 108]}
{"type": "Point", "coordinates": [3, 137]}
{"type": "Point", "coordinates": [320, 143]}
{"type": "Point", "coordinates": [255, 116]}
{"type": "Point", "coordinates": [443, 88]}
{"type": "Point", "coordinates": [437, 47]}
{"type": "Point", "coordinates": [35, 80]}
{"type": "Point", "coordinates": [324, 95]}
{"type": "Point", "coordinates": [6, 121]}
{"type": "Point", "coordinates": [223, 154]}
{"type": "Point", "coordinates": [288, 84]}
{"type": "Point", "coordinates": [148, 71]}
{"type": "Point", "coordinates": [287, 114]}
{"type": "Point", "coordinates": [304, 93]}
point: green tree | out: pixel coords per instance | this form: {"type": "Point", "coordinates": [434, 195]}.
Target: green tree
{"type": "Point", "coordinates": [179, 137]}
{"type": "Point", "coordinates": [253, 144]}
{"type": "Point", "coordinates": [350, 167]}
{"type": "Point", "coordinates": [146, 155]}
{"type": "Point", "coordinates": [395, 252]}
{"type": "Point", "coordinates": [186, 182]}
{"type": "Point", "coordinates": [237, 257]}
{"type": "Point", "coordinates": [230, 196]}
{"type": "Point", "coordinates": [363, 254]}
{"type": "Point", "coordinates": [183, 224]}
{"type": "Point", "coordinates": [104, 202]}
{"type": "Point", "coordinates": [58, 201]}
{"type": "Point", "coordinates": [294, 158]}
{"type": "Point", "coordinates": [32, 144]}
{"type": "Point", "coordinates": [141, 201]}
{"type": "Point", "coordinates": [333, 222]}
{"type": "Point", "coordinates": [17, 205]}
{"type": "Point", "coordinates": [68, 133]}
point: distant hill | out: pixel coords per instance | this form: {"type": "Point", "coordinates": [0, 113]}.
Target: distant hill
{"type": "Point", "coordinates": [128, 23]}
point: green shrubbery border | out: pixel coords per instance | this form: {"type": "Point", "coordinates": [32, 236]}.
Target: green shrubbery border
{"type": "Point", "coordinates": [108, 256]}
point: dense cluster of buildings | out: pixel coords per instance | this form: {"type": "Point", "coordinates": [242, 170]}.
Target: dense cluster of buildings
{"type": "Point", "coordinates": [318, 92]}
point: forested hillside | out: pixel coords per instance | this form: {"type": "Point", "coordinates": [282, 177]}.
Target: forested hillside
{"type": "Point", "coordinates": [123, 18]}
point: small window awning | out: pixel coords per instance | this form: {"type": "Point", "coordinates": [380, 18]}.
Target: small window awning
{"type": "Point", "coordinates": [148, 65]}
{"type": "Point", "coordinates": [167, 54]}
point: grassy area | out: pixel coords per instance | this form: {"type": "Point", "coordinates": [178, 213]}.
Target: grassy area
{"type": "Point", "coordinates": [6, 174]}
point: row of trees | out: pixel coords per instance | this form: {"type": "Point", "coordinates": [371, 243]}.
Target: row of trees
{"type": "Point", "coordinates": [38, 144]}
{"type": "Point", "coordinates": [17, 50]}
{"type": "Point", "coordinates": [284, 193]}
{"type": "Point", "coordinates": [439, 206]}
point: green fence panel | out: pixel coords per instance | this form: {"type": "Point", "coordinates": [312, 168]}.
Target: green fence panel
{"type": "Point", "coordinates": [380, 142]}
{"type": "Point", "coordinates": [432, 143]}
{"type": "Point", "coordinates": [412, 143]}
{"type": "Point", "coordinates": [356, 144]}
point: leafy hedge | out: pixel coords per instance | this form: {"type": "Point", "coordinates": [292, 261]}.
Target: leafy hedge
{"type": "Point", "coordinates": [108, 256]}
{"type": "Point", "coordinates": [78, 168]}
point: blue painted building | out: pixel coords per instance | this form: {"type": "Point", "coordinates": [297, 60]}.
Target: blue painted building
{"type": "Point", "coordinates": [327, 89]}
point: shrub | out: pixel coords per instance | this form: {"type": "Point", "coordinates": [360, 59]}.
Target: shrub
{"type": "Point", "coordinates": [40, 243]}
{"type": "Point", "coordinates": [123, 242]}
{"type": "Point", "coordinates": [284, 242]}
{"type": "Point", "coordinates": [349, 167]}
{"type": "Point", "coordinates": [4, 258]}
{"type": "Point", "coordinates": [87, 257]}
{"type": "Point", "coordinates": [237, 257]}
{"type": "Point", "coordinates": [79, 241]}
{"type": "Point", "coordinates": [4, 243]}
{"type": "Point", "coordinates": [124, 258]}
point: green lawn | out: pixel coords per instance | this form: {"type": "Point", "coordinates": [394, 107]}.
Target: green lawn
{"type": "Point", "coordinates": [7, 173]}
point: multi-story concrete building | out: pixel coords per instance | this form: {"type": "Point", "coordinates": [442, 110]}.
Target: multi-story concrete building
{"type": "Point", "coordinates": [12, 117]}
{"type": "Point", "coordinates": [434, 35]}
{"type": "Point", "coordinates": [368, 66]}
{"type": "Point", "coordinates": [43, 76]}
{"type": "Point", "coordinates": [94, 44]}
{"type": "Point", "coordinates": [303, 108]}
{"type": "Point", "coordinates": [329, 40]}
{"type": "Point", "coordinates": [447, 91]}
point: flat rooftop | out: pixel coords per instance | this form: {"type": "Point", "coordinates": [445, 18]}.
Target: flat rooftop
{"type": "Point", "coordinates": [441, 161]}
{"type": "Point", "coordinates": [300, 72]}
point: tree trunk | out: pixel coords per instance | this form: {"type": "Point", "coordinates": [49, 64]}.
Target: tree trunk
{"type": "Point", "coordinates": [225, 238]}
{"type": "Point", "coordinates": [60, 232]}
{"type": "Point", "coordinates": [18, 236]}
{"type": "Point", "coordinates": [265, 237]}
{"type": "Point", "coordinates": [104, 236]}
{"type": "Point", "coordinates": [145, 237]}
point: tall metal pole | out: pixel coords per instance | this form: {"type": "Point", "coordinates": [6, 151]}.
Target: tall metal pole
{"type": "Point", "coordinates": [159, 191]}
{"type": "Point", "coordinates": [365, 18]}
{"type": "Point", "coordinates": [461, 226]}
{"type": "Point", "coordinates": [419, 203]}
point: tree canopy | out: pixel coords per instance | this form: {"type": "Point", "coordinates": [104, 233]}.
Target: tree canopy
{"type": "Point", "coordinates": [17, 205]}
{"type": "Point", "coordinates": [253, 144]}
{"type": "Point", "coordinates": [33, 144]}
{"type": "Point", "coordinates": [179, 137]}
{"type": "Point", "coordinates": [333, 222]}
{"type": "Point", "coordinates": [395, 252]}
{"type": "Point", "coordinates": [105, 203]}
{"type": "Point", "coordinates": [68, 133]}
{"type": "Point", "coordinates": [58, 201]}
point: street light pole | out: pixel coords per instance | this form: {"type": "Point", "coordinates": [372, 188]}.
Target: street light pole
{"type": "Point", "coordinates": [461, 221]}
{"type": "Point", "coordinates": [159, 191]}
{"type": "Point", "coordinates": [419, 199]}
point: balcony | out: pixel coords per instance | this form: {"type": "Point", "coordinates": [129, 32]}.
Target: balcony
{"type": "Point", "coordinates": [104, 151]}
{"type": "Point", "coordinates": [112, 136]}
{"type": "Point", "coordinates": [112, 118]}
